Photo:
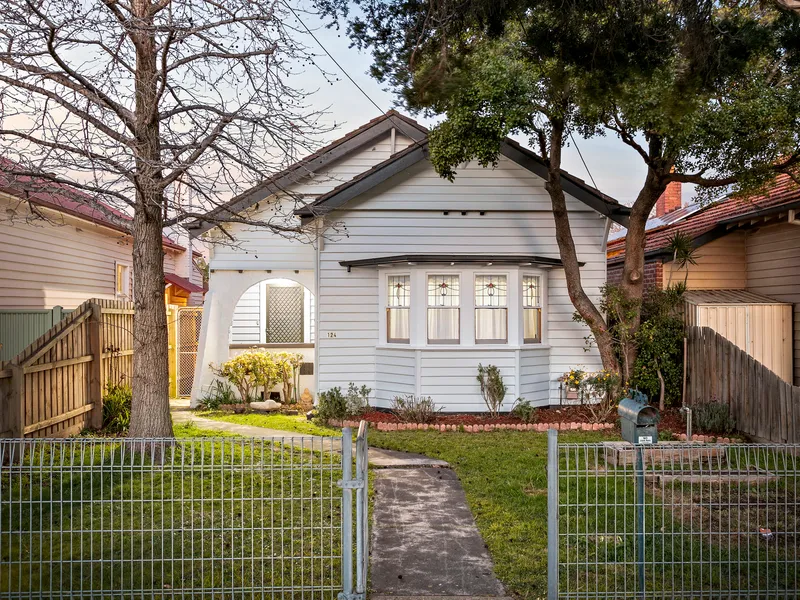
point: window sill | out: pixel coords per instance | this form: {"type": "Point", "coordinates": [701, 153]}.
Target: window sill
{"type": "Point", "coordinates": [446, 347]}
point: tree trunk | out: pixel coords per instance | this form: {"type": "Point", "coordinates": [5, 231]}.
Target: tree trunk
{"type": "Point", "coordinates": [150, 407]}
{"type": "Point", "coordinates": [632, 284]}
{"type": "Point", "coordinates": [566, 246]}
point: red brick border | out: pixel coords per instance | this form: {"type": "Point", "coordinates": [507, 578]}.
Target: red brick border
{"type": "Point", "coordinates": [539, 427]}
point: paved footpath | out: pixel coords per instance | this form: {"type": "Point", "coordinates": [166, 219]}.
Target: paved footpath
{"type": "Point", "coordinates": [424, 542]}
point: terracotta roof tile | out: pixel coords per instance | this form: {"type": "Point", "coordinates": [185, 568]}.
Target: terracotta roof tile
{"type": "Point", "coordinates": [784, 191]}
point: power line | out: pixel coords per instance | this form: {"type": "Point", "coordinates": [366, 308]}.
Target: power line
{"type": "Point", "coordinates": [375, 104]}
{"type": "Point", "coordinates": [585, 166]}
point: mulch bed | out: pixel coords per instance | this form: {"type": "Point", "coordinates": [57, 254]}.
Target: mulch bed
{"type": "Point", "coordinates": [571, 414]}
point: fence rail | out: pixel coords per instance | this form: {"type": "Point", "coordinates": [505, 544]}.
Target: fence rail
{"type": "Point", "coordinates": [187, 518]}
{"type": "Point", "coordinates": [673, 521]}
{"type": "Point", "coordinates": [764, 406]}
{"type": "Point", "coordinates": [54, 387]}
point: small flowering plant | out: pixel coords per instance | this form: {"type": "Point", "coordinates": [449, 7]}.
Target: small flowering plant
{"type": "Point", "coordinates": [573, 378]}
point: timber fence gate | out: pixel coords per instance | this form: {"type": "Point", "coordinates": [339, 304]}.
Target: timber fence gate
{"type": "Point", "coordinates": [54, 388]}
{"type": "Point", "coordinates": [690, 521]}
{"type": "Point", "coordinates": [764, 406]}
{"type": "Point", "coordinates": [216, 518]}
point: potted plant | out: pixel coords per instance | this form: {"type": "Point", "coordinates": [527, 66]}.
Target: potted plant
{"type": "Point", "coordinates": [571, 383]}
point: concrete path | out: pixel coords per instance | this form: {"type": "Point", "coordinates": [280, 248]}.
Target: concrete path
{"type": "Point", "coordinates": [377, 456]}
{"type": "Point", "coordinates": [424, 539]}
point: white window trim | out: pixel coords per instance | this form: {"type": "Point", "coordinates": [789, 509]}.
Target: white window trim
{"type": "Point", "coordinates": [386, 307]}
{"type": "Point", "coordinates": [543, 304]}
{"type": "Point", "coordinates": [127, 288]}
{"type": "Point", "coordinates": [418, 311]}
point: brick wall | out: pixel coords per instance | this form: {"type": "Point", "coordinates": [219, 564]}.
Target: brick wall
{"type": "Point", "coordinates": [653, 275]}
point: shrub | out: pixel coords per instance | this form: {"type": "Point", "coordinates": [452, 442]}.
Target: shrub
{"type": "Point", "coordinates": [249, 371]}
{"type": "Point", "coordinates": [117, 408]}
{"type": "Point", "coordinates": [713, 417]}
{"type": "Point", "coordinates": [413, 409]}
{"type": "Point", "coordinates": [493, 389]}
{"type": "Point", "coordinates": [288, 366]}
{"type": "Point", "coordinates": [605, 387]}
{"type": "Point", "coordinates": [332, 405]}
{"type": "Point", "coordinates": [218, 394]}
{"type": "Point", "coordinates": [524, 410]}
{"type": "Point", "coordinates": [357, 399]}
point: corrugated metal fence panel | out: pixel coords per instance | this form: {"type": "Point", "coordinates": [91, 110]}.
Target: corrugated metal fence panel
{"type": "Point", "coordinates": [19, 328]}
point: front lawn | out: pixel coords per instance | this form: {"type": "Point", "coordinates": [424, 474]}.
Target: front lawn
{"type": "Point", "coordinates": [99, 518]}
{"type": "Point", "coordinates": [504, 477]}
{"type": "Point", "coordinates": [297, 423]}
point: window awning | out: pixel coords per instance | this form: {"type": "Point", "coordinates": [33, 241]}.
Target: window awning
{"type": "Point", "coordinates": [454, 259]}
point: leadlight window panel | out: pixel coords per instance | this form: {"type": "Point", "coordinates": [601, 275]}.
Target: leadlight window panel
{"type": "Point", "coordinates": [491, 291]}
{"type": "Point", "coordinates": [397, 310]}
{"type": "Point", "coordinates": [531, 309]}
{"type": "Point", "coordinates": [491, 312]}
{"type": "Point", "coordinates": [399, 293]}
{"type": "Point", "coordinates": [443, 312]}
{"type": "Point", "coordinates": [443, 290]}
{"type": "Point", "coordinates": [531, 291]}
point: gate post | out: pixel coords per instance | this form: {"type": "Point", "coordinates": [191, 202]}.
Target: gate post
{"type": "Point", "coordinates": [347, 514]}
{"type": "Point", "coordinates": [552, 514]}
{"type": "Point", "coordinates": [362, 510]}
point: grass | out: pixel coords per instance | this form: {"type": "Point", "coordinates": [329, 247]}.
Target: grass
{"type": "Point", "coordinates": [228, 514]}
{"type": "Point", "coordinates": [297, 423]}
{"type": "Point", "coordinates": [504, 478]}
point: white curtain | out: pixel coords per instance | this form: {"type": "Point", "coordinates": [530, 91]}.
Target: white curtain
{"type": "Point", "coordinates": [397, 327]}
{"type": "Point", "coordinates": [532, 318]}
{"type": "Point", "coordinates": [443, 325]}
{"type": "Point", "coordinates": [491, 324]}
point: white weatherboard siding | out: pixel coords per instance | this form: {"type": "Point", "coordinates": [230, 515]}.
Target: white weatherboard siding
{"type": "Point", "coordinates": [773, 269]}
{"type": "Point", "coordinates": [404, 215]}
{"type": "Point", "coordinates": [60, 262]}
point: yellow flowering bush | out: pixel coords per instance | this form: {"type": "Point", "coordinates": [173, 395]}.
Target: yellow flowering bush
{"type": "Point", "coordinates": [249, 371]}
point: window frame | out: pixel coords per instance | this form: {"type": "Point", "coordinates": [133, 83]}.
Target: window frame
{"type": "Point", "coordinates": [476, 308]}
{"type": "Point", "coordinates": [445, 273]}
{"type": "Point", "coordinates": [389, 308]}
{"type": "Point", "coordinates": [539, 307]}
{"type": "Point", "coordinates": [126, 287]}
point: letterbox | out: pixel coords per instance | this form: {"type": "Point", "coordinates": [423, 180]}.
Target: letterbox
{"type": "Point", "coordinates": [638, 420]}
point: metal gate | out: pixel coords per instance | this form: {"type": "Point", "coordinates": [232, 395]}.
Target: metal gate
{"type": "Point", "coordinates": [188, 338]}
{"type": "Point", "coordinates": [671, 521]}
{"type": "Point", "coordinates": [216, 518]}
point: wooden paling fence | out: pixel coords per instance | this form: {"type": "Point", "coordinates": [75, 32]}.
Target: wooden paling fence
{"type": "Point", "coordinates": [54, 388]}
{"type": "Point", "coordinates": [764, 406]}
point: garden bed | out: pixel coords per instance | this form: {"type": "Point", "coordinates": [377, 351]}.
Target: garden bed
{"type": "Point", "coordinates": [565, 414]}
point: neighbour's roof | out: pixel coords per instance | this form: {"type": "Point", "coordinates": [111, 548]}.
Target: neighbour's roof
{"type": "Point", "coordinates": [65, 199]}
{"type": "Point", "coordinates": [706, 223]}
{"type": "Point", "coordinates": [182, 283]}
{"type": "Point", "coordinates": [727, 297]}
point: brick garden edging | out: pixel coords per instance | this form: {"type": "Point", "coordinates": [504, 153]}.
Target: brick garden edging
{"type": "Point", "coordinates": [540, 427]}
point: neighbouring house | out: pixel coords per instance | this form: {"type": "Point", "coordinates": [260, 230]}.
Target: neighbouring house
{"type": "Point", "coordinates": [57, 251]}
{"type": "Point", "coordinates": [743, 244]}
{"type": "Point", "coordinates": [401, 280]}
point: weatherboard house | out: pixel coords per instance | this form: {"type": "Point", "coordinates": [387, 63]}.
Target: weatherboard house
{"type": "Point", "coordinates": [401, 280]}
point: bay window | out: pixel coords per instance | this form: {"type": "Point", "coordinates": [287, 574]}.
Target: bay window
{"type": "Point", "coordinates": [531, 309]}
{"type": "Point", "coordinates": [443, 309]}
{"type": "Point", "coordinates": [398, 308]}
{"type": "Point", "coordinates": [491, 309]}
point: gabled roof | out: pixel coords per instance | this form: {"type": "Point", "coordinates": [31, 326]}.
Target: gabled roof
{"type": "Point", "coordinates": [714, 220]}
{"type": "Point", "coordinates": [401, 161]}
{"type": "Point", "coordinates": [65, 199]}
{"type": "Point", "coordinates": [323, 157]}
{"type": "Point", "coordinates": [182, 283]}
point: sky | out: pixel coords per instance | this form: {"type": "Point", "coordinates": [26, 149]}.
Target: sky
{"type": "Point", "coordinates": [617, 170]}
